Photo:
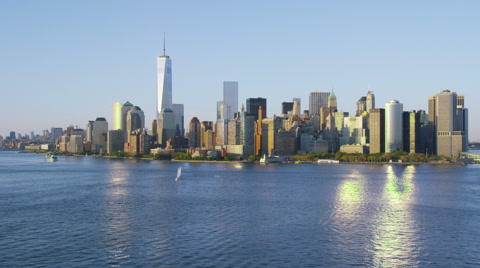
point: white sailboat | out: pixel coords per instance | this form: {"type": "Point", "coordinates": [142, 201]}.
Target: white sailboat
{"type": "Point", "coordinates": [179, 173]}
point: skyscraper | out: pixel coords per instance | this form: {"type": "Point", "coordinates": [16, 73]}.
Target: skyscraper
{"type": "Point", "coordinates": [370, 101]}
{"type": "Point", "coordinates": [166, 126]}
{"type": "Point", "coordinates": [450, 121]}
{"type": "Point", "coordinates": [376, 125]}
{"type": "Point", "coordinates": [254, 104]}
{"type": "Point", "coordinates": [361, 106]}
{"type": "Point", "coordinates": [247, 133]}
{"type": "Point", "coordinates": [56, 133]}
{"type": "Point", "coordinates": [316, 100]}
{"type": "Point", "coordinates": [287, 107]}
{"type": "Point", "coordinates": [230, 99]}
{"type": "Point", "coordinates": [393, 126]}
{"type": "Point", "coordinates": [178, 111]}
{"type": "Point", "coordinates": [164, 83]}
{"type": "Point", "coordinates": [135, 119]}
{"type": "Point", "coordinates": [116, 119]}
{"type": "Point", "coordinates": [99, 135]}
{"type": "Point", "coordinates": [194, 136]}
{"type": "Point", "coordinates": [297, 106]}
{"type": "Point", "coordinates": [259, 133]}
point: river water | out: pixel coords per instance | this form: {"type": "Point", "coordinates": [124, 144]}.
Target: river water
{"type": "Point", "coordinates": [99, 212]}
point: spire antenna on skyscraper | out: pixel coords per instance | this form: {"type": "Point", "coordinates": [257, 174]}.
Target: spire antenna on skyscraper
{"type": "Point", "coordinates": [164, 44]}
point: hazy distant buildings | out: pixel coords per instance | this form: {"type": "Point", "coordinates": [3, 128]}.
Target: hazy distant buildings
{"type": "Point", "coordinates": [254, 104]}
{"type": "Point", "coordinates": [393, 126]}
{"type": "Point", "coordinates": [56, 132]}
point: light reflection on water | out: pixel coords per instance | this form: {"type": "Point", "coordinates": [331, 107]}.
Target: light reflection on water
{"type": "Point", "coordinates": [118, 214]}
{"type": "Point", "coordinates": [395, 239]}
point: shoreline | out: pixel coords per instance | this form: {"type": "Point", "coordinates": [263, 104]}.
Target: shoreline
{"type": "Point", "coordinates": [284, 162]}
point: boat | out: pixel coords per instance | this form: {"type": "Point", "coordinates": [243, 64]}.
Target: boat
{"type": "Point", "coordinates": [179, 173]}
{"type": "Point", "coordinates": [328, 161]}
{"type": "Point", "coordinates": [50, 157]}
{"type": "Point", "coordinates": [274, 159]}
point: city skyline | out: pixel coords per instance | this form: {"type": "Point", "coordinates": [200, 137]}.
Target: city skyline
{"type": "Point", "coordinates": [402, 51]}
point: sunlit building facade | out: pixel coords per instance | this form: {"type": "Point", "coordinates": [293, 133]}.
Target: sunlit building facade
{"type": "Point", "coordinates": [393, 126]}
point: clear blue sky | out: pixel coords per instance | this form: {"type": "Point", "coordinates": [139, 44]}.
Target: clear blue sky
{"type": "Point", "coordinates": [65, 62]}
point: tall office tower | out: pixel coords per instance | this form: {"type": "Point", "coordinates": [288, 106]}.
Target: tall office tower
{"type": "Point", "coordinates": [12, 135]}
{"type": "Point", "coordinates": [99, 135]}
{"type": "Point", "coordinates": [316, 100]}
{"type": "Point", "coordinates": [423, 117]}
{"type": "Point", "coordinates": [376, 125]}
{"type": "Point", "coordinates": [166, 126]}
{"type": "Point", "coordinates": [220, 110]}
{"type": "Point", "coordinates": [230, 99]}
{"type": "Point", "coordinates": [116, 120]}
{"type": "Point", "coordinates": [259, 133]}
{"type": "Point", "coordinates": [393, 126]}
{"type": "Point", "coordinates": [32, 135]}
{"type": "Point", "coordinates": [412, 140]}
{"type": "Point", "coordinates": [247, 133]}
{"type": "Point", "coordinates": [370, 101]}
{"type": "Point", "coordinates": [125, 108]}
{"type": "Point", "coordinates": [154, 130]}
{"type": "Point", "coordinates": [254, 104]}
{"type": "Point", "coordinates": [233, 132]}
{"type": "Point", "coordinates": [221, 132]}
{"type": "Point", "coordinates": [450, 121]}
{"type": "Point", "coordinates": [361, 106]}
{"type": "Point", "coordinates": [164, 83]}
{"type": "Point", "coordinates": [57, 132]}
{"type": "Point", "coordinates": [178, 111]}
{"type": "Point", "coordinates": [89, 130]}
{"type": "Point", "coordinates": [287, 107]}
{"type": "Point", "coordinates": [135, 119]}
{"type": "Point", "coordinates": [332, 102]}
{"type": "Point", "coordinates": [462, 120]}
{"type": "Point", "coordinates": [297, 106]}
{"type": "Point", "coordinates": [194, 136]}
{"type": "Point", "coordinates": [115, 140]}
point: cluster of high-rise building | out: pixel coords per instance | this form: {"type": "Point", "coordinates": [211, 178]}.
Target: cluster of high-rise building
{"type": "Point", "coordinates": [246, 131]}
